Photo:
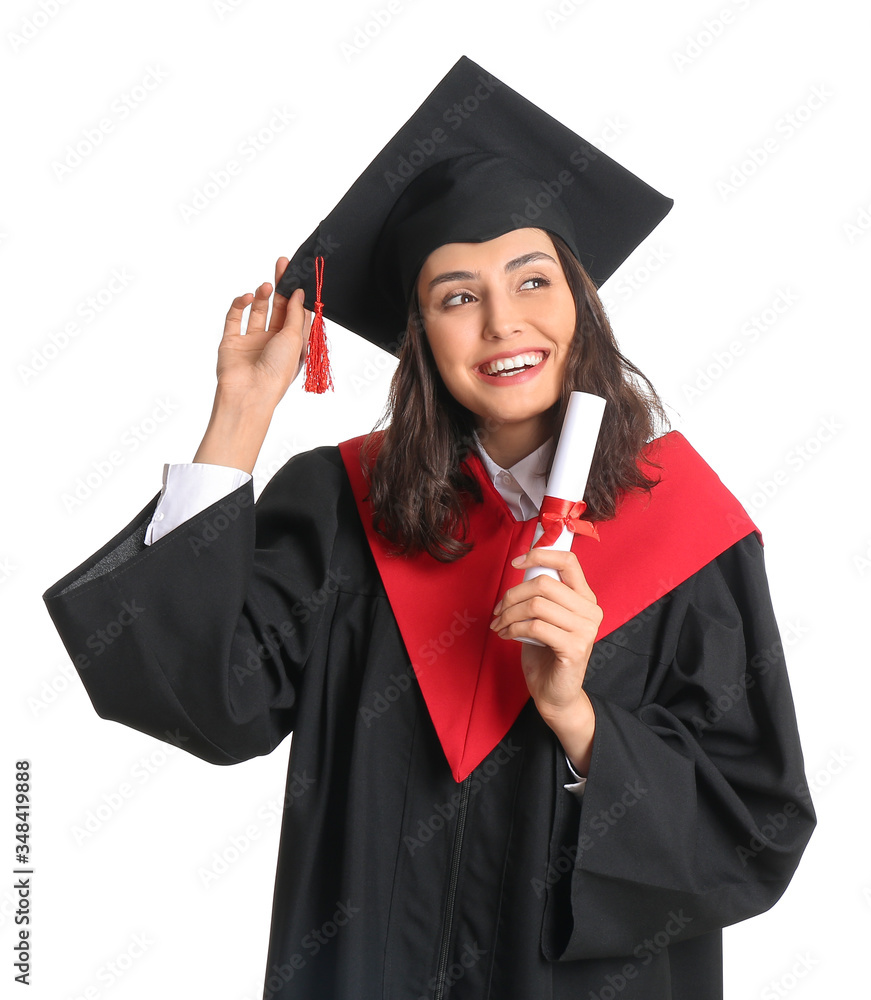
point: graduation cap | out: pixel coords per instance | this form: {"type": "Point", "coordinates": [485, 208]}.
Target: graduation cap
{"type": "Point", "coordinates": [476, 160]}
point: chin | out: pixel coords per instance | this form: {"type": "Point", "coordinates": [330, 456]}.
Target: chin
{"type": "Point", "coordinates": [504, 416]}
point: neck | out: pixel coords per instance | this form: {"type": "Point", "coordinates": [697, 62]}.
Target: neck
{"type": "Point", "coordinates": [513, 442]}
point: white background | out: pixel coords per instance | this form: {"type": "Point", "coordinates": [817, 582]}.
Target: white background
{"type": "Point", "coordinates": [676, 91]}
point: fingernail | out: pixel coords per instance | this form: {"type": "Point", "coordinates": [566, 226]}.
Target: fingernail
{"type": "Point", "coordinates": [498, 608]}
{"type": "Point", "coordinates": [518, 560]}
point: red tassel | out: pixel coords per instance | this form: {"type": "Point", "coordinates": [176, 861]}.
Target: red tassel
{"type": "Point", "coordinates": [317, 361]}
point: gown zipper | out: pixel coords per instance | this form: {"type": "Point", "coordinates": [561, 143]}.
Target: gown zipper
{"type": "Point", "coordinates": [456, 852]}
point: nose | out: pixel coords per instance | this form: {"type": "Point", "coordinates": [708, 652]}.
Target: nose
{"type": "Point", "coordinates": [503, 316]}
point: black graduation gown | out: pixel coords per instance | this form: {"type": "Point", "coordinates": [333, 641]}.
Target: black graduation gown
{"type": "Point", "coordinates": [394, 881]}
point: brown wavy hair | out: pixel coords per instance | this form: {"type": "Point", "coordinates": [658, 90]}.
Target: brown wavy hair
{"type": "Point", "coordinates": [417, 486]}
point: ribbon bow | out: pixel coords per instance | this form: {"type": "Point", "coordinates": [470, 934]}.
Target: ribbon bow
{"type": "Point", "coordinates": [558, 514]}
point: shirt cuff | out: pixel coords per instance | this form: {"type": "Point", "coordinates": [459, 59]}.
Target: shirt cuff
{"type": "Point", "coordinates": [188, 489]}
{"type": "Point", "coordinates": [577, 786]}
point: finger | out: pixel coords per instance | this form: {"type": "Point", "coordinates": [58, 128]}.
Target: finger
{"type": "Point", "coordinates": [546, 587]}
{"type": "Point", "coordinates": [559, 591]}
{"type": "Point", "coordinates": [306, 332]}
{"type": "Point", "coordinates": [296, 320]}
{"type": "Point", "coordinates": [565, 563]}
{"type": "Point", "coordinates": [233, 322]}
{"type": "Point", "coordinates": [259, 309]}
{"type": "Point", "coordinates": [566, 646]}
{"type": "Point", "coordinates": [570, 643]}
{"type": "Point", "coordinates": [552, 601]}
{"type": "Point", "coordinates": [583, 619]}
{"type": "Point", "coordinates": [280, 268]}
{"type": "Point", "coordinates": [539, 608]}
{"type": "Point", "coordinates": [279, 302]}
{"type": "Point", "coordinates": [296, 325]}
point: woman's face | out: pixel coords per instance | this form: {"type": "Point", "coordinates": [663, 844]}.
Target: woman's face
{"type": "Point", "coordinates": [500, 317]}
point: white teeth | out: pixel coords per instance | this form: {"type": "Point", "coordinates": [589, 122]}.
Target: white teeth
{"type": "Point", "coordinates": [509, 364]}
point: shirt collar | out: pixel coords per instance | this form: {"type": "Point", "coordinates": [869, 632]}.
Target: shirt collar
{"type": "Point", "coordinates": [529, 472]}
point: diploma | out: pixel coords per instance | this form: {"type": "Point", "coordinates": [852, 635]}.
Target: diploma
{"type": "Point", "coordinates": [560, 515]}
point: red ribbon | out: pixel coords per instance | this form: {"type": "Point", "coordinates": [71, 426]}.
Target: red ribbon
{"type": "Point", "coordinates": [558, 514]}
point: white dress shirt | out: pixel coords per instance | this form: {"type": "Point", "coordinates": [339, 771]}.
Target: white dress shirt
{"type": "Point", "coordinates": [189, 488]}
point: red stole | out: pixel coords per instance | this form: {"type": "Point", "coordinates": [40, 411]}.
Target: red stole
{"type": "Point", "coordinates": [471, 679]}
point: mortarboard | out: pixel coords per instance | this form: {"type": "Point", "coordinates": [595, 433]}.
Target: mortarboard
{"type": "Point", "coordinates": [475, 160]}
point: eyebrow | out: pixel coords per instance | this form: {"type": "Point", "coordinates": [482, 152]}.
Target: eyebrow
{"type": "Point", "coordinates": [512, 265]}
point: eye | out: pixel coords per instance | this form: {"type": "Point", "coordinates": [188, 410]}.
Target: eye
{"type": "Point", "coordinates": [451, 300]}
{"type": "Point", "coordinates": [542, 281]}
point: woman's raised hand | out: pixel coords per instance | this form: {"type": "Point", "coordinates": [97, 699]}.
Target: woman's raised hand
{"type": "Point", "coordinates": [261, 363]}
{"type": "Point", "coordinates": [254, 371]}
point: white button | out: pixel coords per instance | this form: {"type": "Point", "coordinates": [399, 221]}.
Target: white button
{"type": "Point", "coordinates": [504, 477]}
{"type": "Point", "coordinates": [158, 517]}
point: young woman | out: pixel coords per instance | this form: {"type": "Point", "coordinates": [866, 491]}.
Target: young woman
{"type": "Point", "coordinates": [466, 815]}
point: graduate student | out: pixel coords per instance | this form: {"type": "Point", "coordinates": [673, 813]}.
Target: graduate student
{"type": "Point", "coordinates": [480, 817]}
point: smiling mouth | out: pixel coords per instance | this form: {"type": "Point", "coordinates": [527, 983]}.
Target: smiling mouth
{"type": "Point", "coordinates": [506, 367]}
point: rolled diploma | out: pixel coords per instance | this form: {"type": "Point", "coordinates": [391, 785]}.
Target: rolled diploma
{"type": "Point", "coordinates": [570, 469]}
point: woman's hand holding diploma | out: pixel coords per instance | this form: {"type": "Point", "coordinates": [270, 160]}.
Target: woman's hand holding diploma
{"type": "Point", "coordinates": [556, 615]}
{"type": "Point", "coordinates": [254, 372]}
{"type": "Point", "coordinates": [564, 615]}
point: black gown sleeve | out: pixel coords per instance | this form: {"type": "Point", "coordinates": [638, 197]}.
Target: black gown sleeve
{"type": "Point", "coordinates": [696, 810]}
{"type": "Point", "coordinates": [201, 638]}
